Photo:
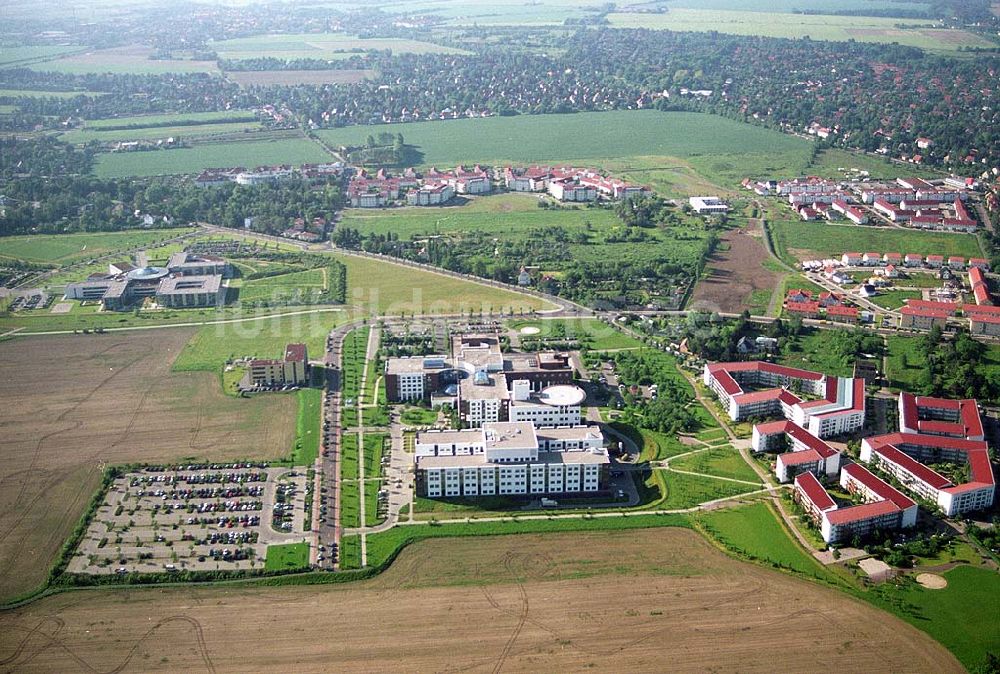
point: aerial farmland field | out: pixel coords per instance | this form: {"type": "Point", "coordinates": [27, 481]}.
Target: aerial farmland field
{"type": "Point", "coordinates": [318, 46]}
{"type": "Point", "coordinates": [131, 59]}
{"type": "Point", "coordinates": [61, 249]}
{"type": "Point", "coordinates": [193, 160]}
{"type": "Point", "coordinates": [603, 600]}
{"type": "Point", "coordinates": [910, 32]}
{"type": "Point", "coordinates": [16, 56]}
{"type": "Point", "coordinates": [582, 137]}
{"type": "Point", "coordinates": [39, 93]}
{"type": "Point", "coordinates": [106, 399]}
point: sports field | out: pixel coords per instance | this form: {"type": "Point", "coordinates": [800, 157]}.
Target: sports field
{"type": "Point", "coordinates": [210, 155]}
{"type": "Point", "coordinates": [75, 403]}
{"type": "Point", "coordinates": [318, 46]}
{"type": "Point", "coordinates": [909, 32]}
{"type": "Point", "coordinates": [601, 601]}
{"type": "Point", "coordinates": [61, 249]}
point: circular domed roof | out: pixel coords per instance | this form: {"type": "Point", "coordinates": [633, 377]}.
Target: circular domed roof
{"type": "Point", "coordinates": [562, 394]}
{"type": "Point", "coordinates": [148, 273]}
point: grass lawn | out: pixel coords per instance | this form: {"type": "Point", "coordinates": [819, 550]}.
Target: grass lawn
{"type": "Point", "coordinates": [287, 556]}
{"type": "Point", "coordinates": [350, 504]}
{"type": "Point", "coordinates": [384, 288]}
{"type": "Point", "coordinates": [191, 160]}
{"type": "Point", "coordinates": [815, 26]}
{"type": "Point", "coordinates": [375, 445]}
{"type": "Point", "coordinates": [307, 427]}
{"type": "Point", "coordinates": [894, 299]}
{"type": "Point", "coordinates": [62, 249]}
{"type": "Point", "coordinates": [284, 287]}
{"type": "Point", "coordinates": [592, 333]}
{"type": "Point", "coordinates": [383, 546]}
{"type": "Point", "coordinates": [723, 461]}
{"type": "Point", "coordinates": [796, 240]}
{"type": "Point", "coordinates": [906, 364]}
{"type": "Point", "coordinates": [686, 491]}
{"type": "Point", "coordinates": [371, 502]}
{"type": "Point", "coordinates": [418, 416]}
{"type": "Point", "coordinates": [812, 350]}
{"type": "Point", "coordinates": [350, 552]}
{"type": "Point", "coordinates": [657, 446]}
{"type": "Point", "coordinates": [963, 616]}
{"type": "Point", "coordinates": [349, 456]}
{"type": "Point", "coordinates": [754, 532]}
{"type": "Point", "coordinates": [213, 345]}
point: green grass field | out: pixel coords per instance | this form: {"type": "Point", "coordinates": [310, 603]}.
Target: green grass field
{"type": "Point", "coordinates": [894, 299]}
{"type": "Point", "coordinates": [350, 552]}
{"type": "Point", "coordinates": [795, 240]}
{"type": "Point", "coordinates": [34, 93]}
{"type": "Point", "coordinates": [376, 286]}
{"type": "Point", "coordinates": [586, 136]}
{"type": "Point", "coordinates": [754, 532]}
{"type": "Point", "coordinates": [133, 60]}
{"type": "Point", "coordinates": [307, 427]}
{"type": "Point", "coordinates": [723, 461]}
{"type": "Point", "coordinates": [686, 491]}
{"type": "Point", "coordinates": [962, 616]}
{"type": "Point", "coordinates": [64, 249]}
{"type": "Point", "coordinates": [592, 333]}
{"type": "Point", "coordinates": [383, 546]}
{"type": "Point", "coordinates": [812, 350]}
{"type": "Point", "coordinates": [349, 456]}
{"type": "Point", "coordinates": [284, 287]}
{"type": "Point", "coordinates": [511, 213]}
{"type": "Point", "coordinates": [146, 127]}
{"type": "Point", "coordinates": [816, 27]}
{"type": "Point", "coordinates": [213, 345]}
{"type": "Point", "coordinates": [318, 46]}
{"type": "Point", "coordinates": [375, 445]}
{"type": "Point", "coordinates": [287, 556]}
{"type": "Point", "coordinates": [350, 504]}
{"type": "Point", "coordinates": [906, 365]}
{"type": "Point", "coordinates": [15, 56]}
{"type": "Point", "coordinates": [209, 155]}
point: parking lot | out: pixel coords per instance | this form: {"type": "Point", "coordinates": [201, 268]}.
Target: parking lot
{"type": "Point", "coordinates": [194, 518]}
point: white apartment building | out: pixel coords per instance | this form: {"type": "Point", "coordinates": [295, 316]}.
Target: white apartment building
{"type": "Point", "coordinates": [509, 459]}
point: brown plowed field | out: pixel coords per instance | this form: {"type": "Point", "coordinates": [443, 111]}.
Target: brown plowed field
{"type": "Point", "coordinates": [732, 275]}
{"type": "Point", "coordinates": [659, 600]}
{"type": "Point", "coordinates": [70, 404]}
